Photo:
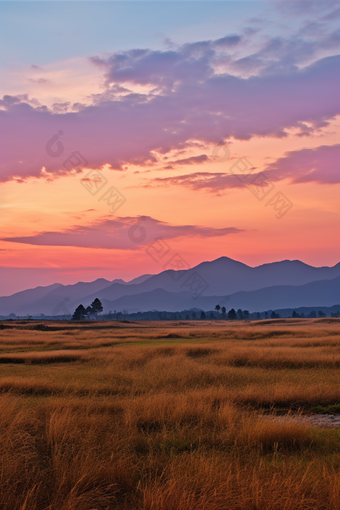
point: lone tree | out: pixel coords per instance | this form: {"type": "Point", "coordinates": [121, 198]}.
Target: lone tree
{"type": "Point", "coordinates": [79, 313]}
{"type": "Point", "coordinates": [217, 308]}
{"type": "Point", "coordinates": [96, 307]}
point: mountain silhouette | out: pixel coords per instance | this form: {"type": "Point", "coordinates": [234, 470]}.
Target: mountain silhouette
{"type": "Point", "coordinates": [272, 285]}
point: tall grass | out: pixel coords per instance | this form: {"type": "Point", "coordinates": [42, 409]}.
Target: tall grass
{"type": "Point", "coordinates": [145, 417]}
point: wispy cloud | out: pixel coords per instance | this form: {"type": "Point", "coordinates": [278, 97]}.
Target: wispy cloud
{"type": "Point", "coordinates": [320, 165]}
{"type": "Point", "coordinates": [212, 182]}
{"type": "Point", "coordinates": [193, 160]}
{"type": "Point", "coordinates": [113, 233]}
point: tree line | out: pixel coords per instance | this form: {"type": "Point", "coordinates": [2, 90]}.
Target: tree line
{"type": "Point", "coordinates": [232, 314]}
{"type": "Point", "coordinates": [96, 307]}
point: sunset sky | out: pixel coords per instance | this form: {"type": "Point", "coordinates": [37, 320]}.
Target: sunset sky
{"type": "Point", "coordinates": [166, 103]}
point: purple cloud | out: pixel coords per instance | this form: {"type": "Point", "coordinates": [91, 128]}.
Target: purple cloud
{"type": "Point", "coordinates": [187, 101]}
{"type": "Point", "coordinates": [333, 15]}
{"type": "Point", "coordinates": [194, 160]}
{"type": "Point", "coordinates": [212, 182]}
{"type": "Point", "coordinates": [116, 233]}
{"type": "Point", "coordinates": [320, 165]}
{"type": "Point", "coordinates": [228, 42]}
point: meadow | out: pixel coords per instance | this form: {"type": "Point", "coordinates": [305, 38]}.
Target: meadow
{"type": "Point", "coordinates": [168, 415]}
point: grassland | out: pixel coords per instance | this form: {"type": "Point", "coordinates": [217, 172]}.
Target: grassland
{"type": "Point", "coordinates": [168, 415]}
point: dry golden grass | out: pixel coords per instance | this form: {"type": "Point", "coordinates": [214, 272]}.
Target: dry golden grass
{"type": "Point", "coordinates": [167, 416]}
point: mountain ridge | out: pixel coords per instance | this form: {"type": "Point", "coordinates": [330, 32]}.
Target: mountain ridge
{"type": "Point", "coordinates": [222, 277]}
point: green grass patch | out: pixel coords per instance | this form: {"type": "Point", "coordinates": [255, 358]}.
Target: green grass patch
{"type": "Point", "coordinates": [331, 409]}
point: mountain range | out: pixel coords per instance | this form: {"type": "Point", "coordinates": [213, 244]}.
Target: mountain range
{"type": "Point", "coordinates": [285, 284]}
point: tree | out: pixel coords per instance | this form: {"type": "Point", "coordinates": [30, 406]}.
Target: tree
{"type": "Point", "coordinates": [217, 308]}
{"type": "Point", "coordinates": [258, 315]}
{"type": "Point", "coordinates": [97, 307]}
{"type": "Point", "coordinates": [187, 318]}
{"type": "Point", "coordinates": [240, 314]}
{"type": "Point", "coordinates": [202, 315]}
{"type": "Point", "coordinates": [89, 312]}
{"type": "Point", "coordinates": [194, 316]}
{"type": "Point", "coordinates": [321, 314]}
{"type": "Point", "coordinates": [232, 315]}
{"type": "Point", "coordinates": [223, 310]}
{"type": "Point", "coordinates": [246, 314]}
{"type": "Point", "coordinates": [312, 314]}
{"type": "Point", "coordinates": [79, 313]}
{"type": "Point", "coordinates": [275, 315]}
{"type": "Point", "coordinates": [212, 316]}
{"type": "Point", "coordinates": [295, 315]}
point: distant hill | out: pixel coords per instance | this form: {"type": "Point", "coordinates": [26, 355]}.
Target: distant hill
{"type": "Point", "coordinates": [47, 299]}
{"type": "Point", "coordinates": [269, 286]}
{"type": "Point", "coordinates": [225, 276]}
{"type": "Point", "coordinates": [315, 294]}
{"type": "Point", "coordinates": [14, 303]}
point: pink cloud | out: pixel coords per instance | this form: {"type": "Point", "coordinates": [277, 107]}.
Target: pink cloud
{"type": "Point", "coordinates": [121, 233]}
{"type": "Point", "coordinates": [189, 101]}
{"type": "Point", "coordinates": [206, 181]}
{"type": "Point", "coordinates": [320, 165]}
{"type": "Point", "coordinates": [194, 160]}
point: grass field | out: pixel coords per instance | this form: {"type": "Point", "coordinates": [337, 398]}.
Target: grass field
{"type": "Point", "coordinates": [168, 415]}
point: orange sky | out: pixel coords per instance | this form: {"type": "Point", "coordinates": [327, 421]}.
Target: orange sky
{"type": "Point", "coordinates": [141, 117]}
{"type": "Point", "coordinates": [307, 232]}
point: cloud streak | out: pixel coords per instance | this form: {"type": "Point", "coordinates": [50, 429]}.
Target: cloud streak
{"type": "Point", "coordinates": [320, 165]}
{"type": "Point", "coordinates": [117, 234]}
{"type": "Point", "coordinates": [193, 160]}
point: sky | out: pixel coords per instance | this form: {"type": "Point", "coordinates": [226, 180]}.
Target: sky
{"type": "Point", "coordinates": [137, 133]}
